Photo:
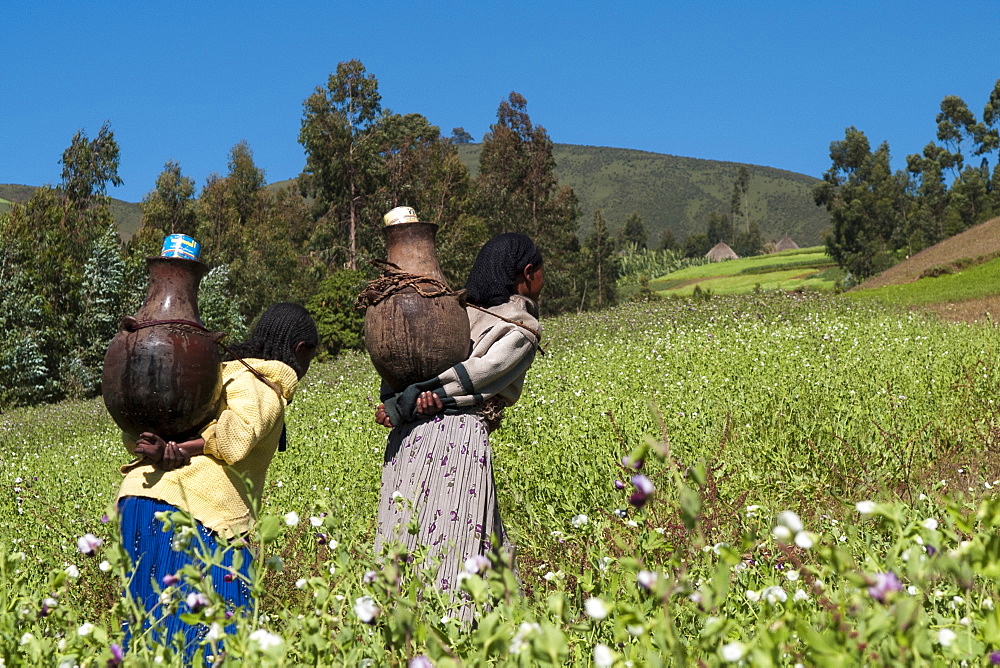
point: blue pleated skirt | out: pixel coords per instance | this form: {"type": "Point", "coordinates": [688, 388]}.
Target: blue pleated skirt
{"type": "Point", "coordinates": [153, 557]}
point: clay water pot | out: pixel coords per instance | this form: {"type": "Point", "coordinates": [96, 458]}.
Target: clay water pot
{"type": "Point", "coordinates": [162, 370]}
{"type": "Point", "coordinates": [411, 337]}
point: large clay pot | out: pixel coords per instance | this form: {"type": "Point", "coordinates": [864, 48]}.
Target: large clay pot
{"type": "Point", "coordinates": [411, 337]}
{"type": "Point", "coordinates": [162, 370]}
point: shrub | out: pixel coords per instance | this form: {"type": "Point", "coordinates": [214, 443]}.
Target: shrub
{"type": "Point", "coordinates": [332, 307]}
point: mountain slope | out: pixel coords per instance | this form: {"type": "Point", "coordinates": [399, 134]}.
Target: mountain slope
{"type": "Point", "coordinates": [678, 193]}
{"type": "Point", "coordinates": [127, 215]}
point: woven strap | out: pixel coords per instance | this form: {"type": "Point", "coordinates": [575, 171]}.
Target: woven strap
{"type": "Point", "coordinates": [393, 280]}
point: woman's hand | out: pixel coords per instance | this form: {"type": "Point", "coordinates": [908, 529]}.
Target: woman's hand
{"type": "Point", "coordinates": [150, 447]}
{"type": "Point", "coordinates": [429, 403]}
{"type": "Point", "coordinates": [167, 455]}
{"type": "Point", "coordinates": [174, 457]}
{"type": "Point", "coordinates": [381, 418]}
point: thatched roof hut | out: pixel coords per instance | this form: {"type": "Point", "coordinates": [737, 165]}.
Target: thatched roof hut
{"type": "Point", "coordinates": [785, 244]}
{"type": "Point", "coordinates": [721, 251]}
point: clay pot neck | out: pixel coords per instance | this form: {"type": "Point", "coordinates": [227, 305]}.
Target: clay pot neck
{"type": "Point", "coordinates": [173, 289]}
{"type": "Point", "coordinates": [411, 247]}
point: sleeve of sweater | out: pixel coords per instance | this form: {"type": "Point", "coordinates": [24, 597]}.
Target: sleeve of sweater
{"type": "Point", "coordinates": [252, 410]}
{"type": "Point", "coordinates": [484, 375]}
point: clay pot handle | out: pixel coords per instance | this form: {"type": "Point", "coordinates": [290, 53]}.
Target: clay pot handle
{"type": "Point", "coordinates": [460, 295]}
{"type": "Point", "coordinates": [128, 324]}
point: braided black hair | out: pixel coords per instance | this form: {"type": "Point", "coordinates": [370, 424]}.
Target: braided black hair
{"type": "Point", "coordinates": [494, 274]}
{"type": "Point", "coordinates": [277, 332]}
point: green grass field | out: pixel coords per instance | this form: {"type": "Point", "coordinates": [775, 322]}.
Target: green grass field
{"type": "Point", "coordinates": [823, 471]}
{"type": "Point", "coordinates": [803, 268]}
{"type": "Point", "coordinates": [982, 280]}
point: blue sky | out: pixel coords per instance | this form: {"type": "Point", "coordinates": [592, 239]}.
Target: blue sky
{"type": "Point", "coordinates": [767, 83]}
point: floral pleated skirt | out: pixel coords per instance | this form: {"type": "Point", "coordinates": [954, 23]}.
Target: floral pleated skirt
{"type": "Point", "coordinates": [438, 492]}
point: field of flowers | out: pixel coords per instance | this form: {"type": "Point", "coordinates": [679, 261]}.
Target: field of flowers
{"type": "Point", "coordinates": [764, 479]}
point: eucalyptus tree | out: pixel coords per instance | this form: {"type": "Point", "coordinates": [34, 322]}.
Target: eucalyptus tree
{"type": "Point", "coordinates": [340, 133]}
{"type": "Point", "coordinates": [517, 191]}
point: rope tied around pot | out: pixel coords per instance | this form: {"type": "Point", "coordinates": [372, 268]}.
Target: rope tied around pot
{"type": "Point", "coordinates": [393, 280]}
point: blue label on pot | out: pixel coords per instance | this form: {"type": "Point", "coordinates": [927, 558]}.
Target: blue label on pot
{"type": "Point", "coordinates": [181, 245]}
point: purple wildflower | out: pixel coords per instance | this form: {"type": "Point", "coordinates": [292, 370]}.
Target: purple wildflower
{"type": "Point", "coordinates": [885, 584]}
{"type": "Point", "coordinates": [117, 655]}
{"type": "Point", "coordinates": [619, 484]}
{"type": "Point", "coordinates": [995, 657]}
{"type": "Point", "coordinates": [196, 601]}
{"type": "Point", "coordinates": [420, 661]}
{"type": "Point", "coordinates": [104, 520]}
{"type": "Point", "coordinates": [369, 577]}
{"type": "Point", "coordinates": [228, 577]}
{"type": "Point", "coordinates": [170, 579]}
{"type": "Point", "coordinates": [88, 544]}
{"type": "Point", "coordinates": [931, 550]}
{"type": "Point", "coordinates": [629, 464]}
{"type": "Point", "coordinates": [643, 490]}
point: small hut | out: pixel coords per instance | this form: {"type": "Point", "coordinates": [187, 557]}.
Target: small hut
{"type": "Point", "coordinates": [785, 244]}
{"type": "Point", "coordinates": [721, 251]}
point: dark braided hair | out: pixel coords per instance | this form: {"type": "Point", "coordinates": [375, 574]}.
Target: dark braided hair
{"type": "Point", "coordinates": [494, 274]}
{"type": "Point", "coordinates": [279, 330]}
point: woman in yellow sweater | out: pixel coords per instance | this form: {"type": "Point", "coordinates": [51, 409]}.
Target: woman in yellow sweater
{"type": "Point", "coordinates": [217, 478]}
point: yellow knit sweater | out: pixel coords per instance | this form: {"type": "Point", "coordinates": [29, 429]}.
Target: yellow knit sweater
{"type": "Point", "coordinates": [222, 488]}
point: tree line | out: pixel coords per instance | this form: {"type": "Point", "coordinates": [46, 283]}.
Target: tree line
{"type": "Point", "coordinates": [68, 279]}
{"type": "Point", "coordinates": [880, 216]}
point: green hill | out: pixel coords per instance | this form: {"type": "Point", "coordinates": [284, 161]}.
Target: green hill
{"type": "Point", "coordinates": [127, 215]}
{"type": "Point", "coordinates": [678, 193]}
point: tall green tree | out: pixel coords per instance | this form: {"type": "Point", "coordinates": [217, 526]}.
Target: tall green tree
{"type": "Point", "coordinates": [341, 136]}
{"type": "Point", "coordinates": [89, 165]}
{"type": "Point", "coordinates": [243, 226]}
{"type": "Point", "coordinates": [720, 228]}
{"type": "Point", "coordinates": [517, 191]}
{"type": "Point", "coordinates": [868, 205]}
{"type": "Point", "coordinates": [170, 208]}
{"type": "Point", "coordinates": [740, 200]}
{"type": "Point", "coordinates": [634, 231]}
{"type": "Point", "coordinates": [602, 264]}
{"type": "Point", "coordinates": [422, 170]}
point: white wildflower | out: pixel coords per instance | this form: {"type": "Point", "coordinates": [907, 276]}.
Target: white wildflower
{"type": "Point", "coordinates": [72, 571]}
{"type": "Point", "coordinates": [215, 632]}
{"type": "Point", "coordinates": [774, 594]}
{"type": "Point", "coordinates": [596, 608]}
{"type": "Point", "coordinates": [930, 524]}
{"type": "Point", "coordinates": [800, 595]}
{"type": "Point", "coordinates": [789, 519]}
{"type": "Point", "coordinates": [781, 533]}
{"type": "Point", "coordinates": [733, 651]}
{"type": "Point", "coordinates": [365, 609]}
{"type": "Point", "coordinates": [105, 566]}
{"type": "Point", "coordinates": [580, 520]}
{"type": "Point", "coordinates": [603, 656]}
{"type": "Point", "coordinates": [519, 642]}
{"type": "Point", "coordinates": [292, 518]}
{"type": "Point", "coordinates": [805, 540]}
{"type": "Point", "coordinates": [316, 521]}
{"type": "Point", "coordinates": [265, 639]}
{"type": "Point", "coordinates": [301, 583]}
{"type": "Point", "coordinates": [865, 507]}
{"type": "Point", "coordinates": [26, 638]}
{"type": "Point", "coordinates": [85, 629]}
{"type": "Point", "coordinates": [946, 637]}
{"type": "Point", "coordinates": [752, 596]}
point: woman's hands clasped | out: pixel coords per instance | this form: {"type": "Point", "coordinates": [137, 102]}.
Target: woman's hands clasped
{"type": "Point", "coordinates": [428, 403]}
{"type": "Point", "coordinates": [166, 455]}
